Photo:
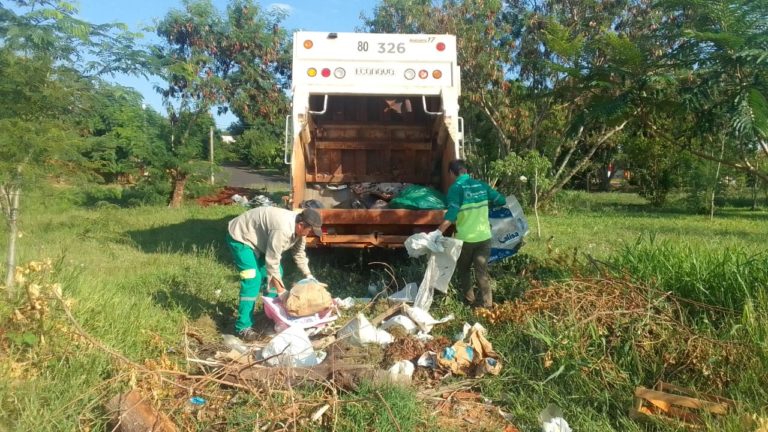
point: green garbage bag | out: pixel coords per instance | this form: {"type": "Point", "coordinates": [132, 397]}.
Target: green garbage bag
{"type": "Point", "coordinates": [416, 197]}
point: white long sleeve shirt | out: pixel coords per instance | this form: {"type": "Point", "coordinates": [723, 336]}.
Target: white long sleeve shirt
{"type": "Point", "coordinates": [271, 231]}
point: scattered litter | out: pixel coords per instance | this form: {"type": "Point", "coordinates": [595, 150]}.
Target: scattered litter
{"type": "Point", "coordinates": [428, 360]}
{"type": "Point", "coordinates": [261, 201]}
{"type": "Point", "coordinates": [360, 331]}
{"type": "Point", "coordinates": [457, 358]}
{"type": "Point", "coordinates": [400, 320]}
{"type": "Point", "coordinates": [440, 266]}
{"type": "Point", "coordinates": [291, 347]}
{"type": "Point", "coordinates": [197, 401]}
{"type": "Point", "coordinates": [235, 343]}
{"type": "Point", "coordinates": [240, 199]}
{"type": "Point", "coordinates": [423, 319]}
{"type": "Point", "coordinates": [552, 420]}
{"type": "Point", "coordinates": [470, 354]}
{"type": "Point", "coordinates": [424, 337]}
{"type": "Point", "coordinates": [681, 403]}
{"type": "Point", "coordinates": [407, 294]}
{"type": "Point", "coordinates": [275, 310]}
{"type": "Point", "coordinates": [402, 371]}
{"type": "Point", "coordinates": [319, 413]}
{"type": "Point", "coordinates": [344, 304]}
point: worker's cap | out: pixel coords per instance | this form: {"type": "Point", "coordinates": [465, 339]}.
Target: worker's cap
{"type": "Point", "coordinates": [312, 218]}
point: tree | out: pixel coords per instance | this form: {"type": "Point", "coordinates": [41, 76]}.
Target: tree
{"type": "Point", "coordinates": [43, 86]}
{"type": "Point", "coordinates": [721, 52]}
{"type": "Point", "coordinates": [237, 61]}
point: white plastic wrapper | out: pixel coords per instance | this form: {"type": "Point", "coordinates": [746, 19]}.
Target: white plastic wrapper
{"type": "Point", "coordinates": [402, 371]}
{"type": "Point", "coordinates": [440, 266]}
{"type": "Point", "coordinates": [407, 294]}
{"type": "Point", "coordinates": [508, 227]}
{"type": "Point", "coordinates": [292, 348]}
{"type": "Point", "coordinates": [423, 319]}
{"type": "Point", "coordinates": [552, 420]}
{"type": "Point", "coordinates": [360, 331]}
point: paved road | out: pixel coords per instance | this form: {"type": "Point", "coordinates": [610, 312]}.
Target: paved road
{"type": "Point", "coordinates": [243, 176]}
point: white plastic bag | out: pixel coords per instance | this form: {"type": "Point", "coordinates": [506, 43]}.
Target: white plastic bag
{"type": "Point", "coordinates": [292, 348]}
{"type": "Point", "coordinates": [423, 319]}
{"type": "Point", "coordinates": [508, 227]}
{"type": "Point", "coordinates": [551, 419]}
{"type": "Point", "coordinates": [401, 371]}
{"type": "Point", "coordinates": [360, 331]}
{"type": "Point", "coordinates": [407, 294]}
{"type": "Point", "coordinates": [440, 265]}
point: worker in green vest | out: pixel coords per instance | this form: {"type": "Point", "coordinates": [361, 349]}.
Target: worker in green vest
{"type": "Point", "coordinates": [468, 201]}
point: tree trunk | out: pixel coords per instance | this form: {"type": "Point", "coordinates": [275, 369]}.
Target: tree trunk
{"type": "Point", "coordinates": [717, 178]}
{"type": "Point", "coordinates": [583, 163]}
{"type": "Point", "coordinates": [13, 195]}
{"type": "Point", "coordinates": [177, 194]}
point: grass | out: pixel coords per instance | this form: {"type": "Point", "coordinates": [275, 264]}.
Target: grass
{"type": "Point", "coordinates": [137, 276]}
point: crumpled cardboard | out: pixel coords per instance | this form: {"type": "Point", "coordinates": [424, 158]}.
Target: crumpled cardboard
{"type": "Point", "coordinates": [473, 354]}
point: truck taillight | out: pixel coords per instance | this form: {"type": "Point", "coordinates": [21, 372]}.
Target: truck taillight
{"type": "Point", "coordinates": [312, 72]}
{"type": "Point", "coordinates": [423, 74]}
{"type": "Point", "coordinates": [325, 72]}
{"type": "Point", "coordinates": [308, 44]}
{"type": "Point", "coordinates": [339, 73]}
{"type": "Point", "coordinates": [436, 74]}
{"type": "Point", "coordinates": [409, 74]}
{"type": "Point", "coordinates": [440, 46]}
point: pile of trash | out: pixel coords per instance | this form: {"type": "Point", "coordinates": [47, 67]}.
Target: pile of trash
{"type": "Point", "coordinates": [375, 196]}
{"type": "Point", "coordinates": [235, 195]}
{"type": "Point", "coordinates": [256, 201]}
{"type": "Point", "coordinates": [306, 322]}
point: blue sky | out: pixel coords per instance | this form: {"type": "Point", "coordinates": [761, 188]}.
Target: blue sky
{"type": "Point", "coordinates": [318, 15]}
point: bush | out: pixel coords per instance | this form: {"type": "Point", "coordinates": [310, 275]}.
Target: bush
{"type": "Point", "coordinates": [518, 175]}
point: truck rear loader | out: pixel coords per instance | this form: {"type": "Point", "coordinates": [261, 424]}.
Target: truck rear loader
{"type": "Point", "coordinates": [371, 112]}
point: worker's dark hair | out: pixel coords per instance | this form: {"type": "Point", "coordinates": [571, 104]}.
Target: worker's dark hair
{"type": "Point", "coordinates": [457, 167]}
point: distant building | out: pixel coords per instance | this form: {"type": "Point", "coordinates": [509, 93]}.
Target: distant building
{"type": "Point", "coordinates": [227, 139]}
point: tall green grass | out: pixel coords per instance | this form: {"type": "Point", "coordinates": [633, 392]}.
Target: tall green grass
{"type": "Point", "coordinates": [137, 276]}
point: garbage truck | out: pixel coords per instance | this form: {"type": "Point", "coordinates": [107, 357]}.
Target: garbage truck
{"type": "Point", "coordinates": [373, 115]}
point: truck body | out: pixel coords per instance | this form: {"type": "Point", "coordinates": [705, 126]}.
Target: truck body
{"type": "Point", "coordinates": [370, 114]}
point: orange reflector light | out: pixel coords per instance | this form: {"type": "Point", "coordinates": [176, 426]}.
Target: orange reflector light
{"type": "Point", "coordinates": [326, 72]}
{"type": "Point", "coordinates": [308, 44]}
{"type": "Point", "coordinates": [440, 46]}
{"type": "Point", "coordinates": [423, 74]}
{"type": "Point", "coordinates": [312, 72]}
{"type": "Point", "coordinates": [436, 74]}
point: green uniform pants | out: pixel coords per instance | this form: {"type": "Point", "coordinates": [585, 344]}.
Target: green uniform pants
{"type": "Point", "coordinates": [253, 273]}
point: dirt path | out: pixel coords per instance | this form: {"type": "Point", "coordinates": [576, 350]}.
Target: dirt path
{"type": "Point", "coordinates": [246, 177]}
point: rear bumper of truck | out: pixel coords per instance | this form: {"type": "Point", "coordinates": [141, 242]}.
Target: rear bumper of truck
{"type": "Point", "coordinates": [361, 228]}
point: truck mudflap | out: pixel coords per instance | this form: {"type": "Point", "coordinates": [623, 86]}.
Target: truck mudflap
{"type": "Point", "coordinates": [361, 228]}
